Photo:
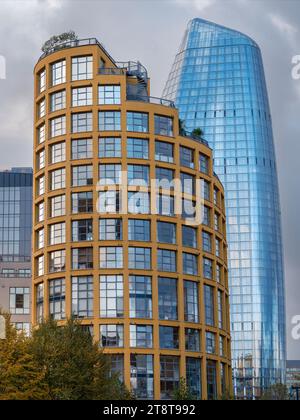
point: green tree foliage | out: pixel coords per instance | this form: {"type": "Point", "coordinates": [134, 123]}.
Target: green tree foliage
{"type": "Point", "coordinates": [20, 378]}
{"type": "Point", "coordinates": [56, 363]}
{"type": "Point", "coordinates": [277, 392]}
{"type": "Point", "coordinates": [55, 40]}
{"type": "Point", "coordinates": [197, 133]}
{"type": "Point", "coordinates": [183, 392]}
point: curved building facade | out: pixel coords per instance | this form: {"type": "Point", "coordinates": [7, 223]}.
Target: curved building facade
{"type": "Point", "coordinates": [218, 84]}
{"type": "Point", "coordinates": [111, 247]}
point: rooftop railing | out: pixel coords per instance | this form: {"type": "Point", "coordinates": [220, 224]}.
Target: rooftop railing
{"type": "Point", "coordinates": [74, 44]}
{"type": "Point", "coordinates": [151, 100]}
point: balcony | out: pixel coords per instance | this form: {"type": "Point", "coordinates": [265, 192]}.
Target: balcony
{"type": "Point", "coordinates": [151, 100]}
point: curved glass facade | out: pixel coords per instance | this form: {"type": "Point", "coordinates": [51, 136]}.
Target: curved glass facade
{"type": "Point", "coordinates": [218, 84]}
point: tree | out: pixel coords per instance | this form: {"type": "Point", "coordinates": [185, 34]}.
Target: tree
{"type": "Point", "coordinates": [226, 396]}
{"type": "Point", "coordinates": [277, 392]}
{"type": "Point", "coordinates": [20, 378]}
{"type": "Point", "coordinates": [183, 392]}
{"type": "Point", "coordinates": [55, 40]}
{"type": "Point", "coordinates": [197, 133]}
{"type": "Point", "coordinates": [73, 365]}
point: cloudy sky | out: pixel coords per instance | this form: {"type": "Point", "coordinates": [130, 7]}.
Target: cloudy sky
{"type": "Point", "coordinates": [151, 31]}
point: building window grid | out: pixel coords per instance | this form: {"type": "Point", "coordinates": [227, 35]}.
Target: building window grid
{"type": "Point", "coordinates": [57, 298]}
{"type": "Point", "coordinates": [110, 229]}
{"type": "Point", "coordinates": [82, 122]}
{"type": "Point", "coordinates": [111, 296]}
{"type": "Point", "coordinates": [82, 149]}
{"type": "Point", "coordinates": [82, 230]}
{"type": "Point", "coordinates": [138, 122]}
{"type": "Point", "coordinates": [192, 339]}
{"type": "Point", "coordinates": [109, 121]}
{"type": "Point", "coordinates": [166, 260]}
{"type": "Point", "coordinates": [139, 230]}
{"type": "Point", "coordinates": [140, 297]}
{"type": "Point", "coordinates": [111, 257]}
{"type": "Point", "coordinates": [58, 71]}
{"type": "Point", "coordinates": [57, 261]}
{"type": "Point", "coordinates": [82, 296]}
{"type": "Point", "coordinates": [141, 336]}
{"type": "Point", "coordinates": [191, 301]}
{"type": "Point", "coordinates": [110, 147]}
{"type": "Point", "coordinates": [82, 68]}
{"type": "Point", "coordinates": [137, 148]}
{"type": "Point", "coordinates": [167, 299]}
{"type": "Point", "coordinates": [163, 125]}
{"type": "Point", "coordinates": [19, 300]}
{"type": "Point", "coordinates": [58, 179]}
{"type": "Point", "coordinates": [82, 175]}
{"type": "Point", "coordinates": [58, 152]}
{"type": "Point", "coordinates": [58, 126]}
{"type": "Point", "coordinates": [57, 233]}
{"type": "Point", "coordinates": [164, 152]}
{"type": "Point", "coordinates": [58, 206]}
{"type": "Point", "coordinates": [82, 96]}
{"type": "Point", "coordinates": [109, 95]}
{"type": "Point", "coordinates": [112, 335]}
{"type": "Point", "coordinates": [139, 258]}
{"type": "Point", "coordinates": [58, 101]}
{"type": "Point", "coordinates": [82, 258]}
{"type": "Point", "coordinates": [190, 264]}
{"type": "Point", "coordinates": [82, 202]}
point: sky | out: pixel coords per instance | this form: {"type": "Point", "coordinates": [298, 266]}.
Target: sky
{"type": "Point", "coordinates": [151, 31]}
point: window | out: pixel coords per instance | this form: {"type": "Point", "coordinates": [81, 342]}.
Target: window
{"type": "Point", "coordinates": [82, 96]}
{"type": "Point", "coordinates": [191, 301]}
{"type": "Point", "coordinates": [82, 68]}
{"type": "Point", "coordinates": [109, 95]}
{"type": "Point", "coordinates": [209, 305]}
{"type": "Point", "coordinates": [41, 134]}
{"type": "Point", "coordinates": [19, 300]}
{"type": "Point", "coordinates": [141, 376]}
{"type": "Point", "coordinates": [41, 185]}
{"type": "Point", "coordinates": [58, 101]}
{"type": "Point", "coordinates": [192, 339]}
{"type": "Point", "coordinates": [82, 202]}
{"type": "Point", "coordinates": [205, 190]}
{"type": "Point", "coordinates": [109, 202]}
{"type": "Point", "coordinates": [164, 178]}
{"type": "Point", "coordinates": [140, 297]}
{"type": "Point", "coordinates": [164, 152]}
{"type": "Point", "coordinates": [41, 212]}
{"type": "Point", "coordinates": [188, 209]}
{"type": "Point", "coordinates": [139, 258]}
{"type": "Point", "coordinates": [109, 147]}
{"type": "Point", "coordinates": [40, 238]}
{"type": "Point", "coordinates": [138, 203]}
{"type": "Point", "coordinates": [166, 260]}
{"type": "Point", "coordinates": [141, 336]}
{"type": "Point", "coordinates": [82, 258]}
{"type": "Point", "coordinates": [57, 261]}
{"type": "Point", "coordinates": [111, 297]}
{"type": "Point", "coordinates": [220, 310]}
{"type": "Point", "coordinates": [137, 121]}
{"type": "Point", "coordinates": [216, 199]}
{"type": "Point", "coordinates": [165, 205]}
{"type": "Point", "coordinates": [110, 174]}
{"type": "Point", "coordinates": [206, 216]}
{"type": "Point", "coordinates": [190, 264]}
{"type": "Point", "coordinates": [187, 183]}
{"type": "Point", "coordinates": [82, 149]}
{"type": "Point", "coordinates": [58, 126]}
{"type": "Point", "coordinates": [189, 237]}
{"type": "Point", "coordinates": [193, 376]}
{"type": "Point", "coordinates": [109, 121]}
{"type": "Point", "coordinates": [139, 230]}
{"type": "Point", "coordinates": [112, 335]}
{"type": "Point", "coordinates": [58, 72]}
{"type": "Point", "coordinates": [222, 345]}
{"type": "Point", "coordinates": [137, 148]}
{"type": "Point", "coordinates": [166, 232]}
{"type": "Point", "coordinates": [110, 229]}
{"type": "Point", "coordinates": [82, 230]}
{"type": "Point", "coordinates": [111, 257]}
{"type": "Point", "coordinates": [42, 108]}
{"type": "Point", "coordinates": [82, 296]}
{"type": "Point", "coordinates": [58, 152]}
{"type": "Point", "coordinates": [211, 373]}
{"type": "Point", "coordinates": [207, 268]}
{"type": "Point", "coordinates": [41, 159]}
{"type": "Point", "coordinates": [204, 164]}
{"type": "Point", "coordinates": [57, 299]}
{"type": "Point", "coordinates": [58, 206]}
{"type": "Point", "coordinates": [82, 122]}
{"type": "Point", "coordinates": [210, 343]}
{"type": "Point", "coordinates": [167, 298]}
{"type": "Point", "coordinates": [40, 302]}
{"type": "Point", "coordinates": [163, 125]}
{"type": "Point", "coordinates": [57, 233]}
{"type": "Point", "coordinates": [40, 266]}
{"type": "Point", "coordinates": [116, 362]}
{"type": "Point", "coordinates": [42, 81]}
{"type": "Point", "coordinates": [187, 157]}
{"type": "Point", "coordinates": [218, 247]}
{"type": "Point", "coordinates": [219, 273]}
{"type": "Point", "coordinates": [82, 175]}
{"type": "Point", "coordinates": [206, 241]}
{"type": "Point", "coordinates": [169, 337]}
{"type": "Point", "coordinates": [58, 179]}
{"type": "Point", "coordinates": [169, 376]}
{"type": "Point", "coordinates": [138, 175]}
{"type": "Point", "coordinates": [217, 222]}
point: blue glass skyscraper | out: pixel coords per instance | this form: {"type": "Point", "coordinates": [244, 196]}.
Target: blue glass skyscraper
{"type": "Point", "coordinates": [218, 84]}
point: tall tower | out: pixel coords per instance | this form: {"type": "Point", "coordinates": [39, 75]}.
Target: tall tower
{"type": "Point", "coordinates": [15, 244]}
{"type": "Point", "coordinates": [218, 84]}
{"type": "Point", "coordinates": [151, 287]}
